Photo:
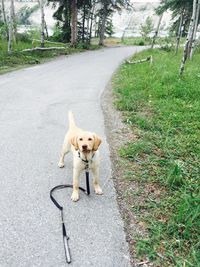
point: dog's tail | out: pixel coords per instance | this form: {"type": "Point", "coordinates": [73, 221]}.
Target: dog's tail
{"type": "Point", "coordinates": [72, 123]}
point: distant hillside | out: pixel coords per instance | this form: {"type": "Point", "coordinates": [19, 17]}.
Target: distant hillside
{"type": "Point", "coordinates": [137, 16]}
{"type": "Point", "coordinates": [134, 18]}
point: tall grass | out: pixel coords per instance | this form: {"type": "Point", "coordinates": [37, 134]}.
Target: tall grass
{"type": "Point", "coordinates": [164, 112]}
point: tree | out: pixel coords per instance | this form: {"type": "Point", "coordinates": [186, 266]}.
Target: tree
{"type": "Point", "coordinates": [196, 23]}
{"type": "Point", "coordinates": [147, 27]}
{"type": "Point", "coordinates": [4, 17]}
{"type": "Point", "coordinates": [189, 37]}
{"type": "Point", "coordinates": [190, 10]}
{"type": "Point", "coordinates": [103, 15]}
{"type": "Point", "coordinates": [109, 27]}
{"type": "Point", "coordinates": [23, 15]}
{"type": "Point", "coordinates": [177, 7]}
{"type": "Point", "coordinates": [179, 34]}
{"type": "Point", "coordinates": [67, 15]}
{"type": "Point", "coordinates": [78, 18]}
{"type": "Point", "coordinates": [86, 11]}
{"type": "Point", "coordinates": [41, 3]}
{"type": "Point", "coordinates": [74, 13]}
{"type": "Point", "coordinates": [11, 27]}
{"type": "Point", "coordinates": [63, 16]}
{"type": "Point", "coordinates": [106, 10]}
{"type": "Point", "coordinates": [156, 32]}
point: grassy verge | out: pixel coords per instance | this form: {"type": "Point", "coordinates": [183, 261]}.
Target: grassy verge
{"type": "Point", "coordinates": [140, 41]}
{"type": "Point", "coordinates": [20, 59]}
{"type": "Point", "coordinates": [162, 156]}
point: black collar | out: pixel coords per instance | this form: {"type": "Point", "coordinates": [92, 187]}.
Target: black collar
{"type": "Point", "coordinates": [85, 160]}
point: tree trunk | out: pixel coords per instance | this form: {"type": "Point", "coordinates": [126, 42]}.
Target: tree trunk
{"type": "Point", "coordinates": [156, 32]}
{"type": "Point", "coordinates": [179, 32]}
{"type": "Point", "coordinates": [96, 27]}
{"type": "Point", "coordinates": [123, 34]}
{"type": "Point", "coordinates": [91, 20]}
{"type": "Point", "coordinates": [10, 36]}
{"type": "Point", "coordinates": [88, 28]}
{"type": "Point", "coordinates": [195, 30]}
{"type": "Point", "coordinates": [46, 29]}
{"type": "Point", "coordinates": [4, 17]}
{"type": "Point", "coordinates": [188, 40]}
{"type": "Point", "coordinates": [14, 23]}
{"type": "Point", "coordinates": [83, 26]}
{"type": "Point", "coordinates": [192, 26]}
{"type": "Point", "coordinates": [42, 22]}
{"type": "Point", "coordinates": [74, 12]}
{"type": "Point", "coordinates": [103, 26]}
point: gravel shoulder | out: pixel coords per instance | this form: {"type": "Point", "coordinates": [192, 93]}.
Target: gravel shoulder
{"type": "Point", "coordinates": [118, 133]}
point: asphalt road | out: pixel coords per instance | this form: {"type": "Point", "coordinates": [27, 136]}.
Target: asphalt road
{"type": "Point", "coordinates": [33, 120]}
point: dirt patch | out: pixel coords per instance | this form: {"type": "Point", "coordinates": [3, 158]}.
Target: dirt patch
{"type": "Point", "coordinates": [118, 134]}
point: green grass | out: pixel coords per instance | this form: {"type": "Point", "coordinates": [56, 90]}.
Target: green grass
{"type": "Point", "coordinates": [166, 42]}
{"type": "Point", "coordinates": [163, 111]}
{"type": "Point", "coordinates": [20, 59]}
{"type": "Point", "coordinates": [163, 41]}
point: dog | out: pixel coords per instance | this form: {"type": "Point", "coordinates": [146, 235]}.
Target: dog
{"type": "Point", "coordinates": [84, 146]}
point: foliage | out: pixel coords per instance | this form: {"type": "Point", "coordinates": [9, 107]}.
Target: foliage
{"type": "Point", "coordinates": [24, 37]}
{"type": "Point", "coordinates": [34, 33]}
{"type": "Point", "coordinates": [63, 16]}
{"type": "Point", "coordinates": [177, 7]}
{"type": "Point", "coordinates": [147, 28]}
{"type": "Point", "coordinates": [89, 12]}
{"type": "Point", "coordinates": [23, 15]}
{"type": "Point", "coordinates": [163, 112]}
{"type": "Point", "coordinates": [109, 27]}
{"type": "Point", "coordinates": [3, 32]}
{"type": "Point", "coordinates": [57, 33]}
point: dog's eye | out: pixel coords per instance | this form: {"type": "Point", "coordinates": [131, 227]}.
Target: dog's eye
{"type": "Point", "coordinates": [80, 139]}
{"type": "Point", "coordinates": [89, 139]}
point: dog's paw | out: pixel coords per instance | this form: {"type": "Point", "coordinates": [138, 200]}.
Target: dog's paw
{"type": "Point", "coordinates": [61, 164]}
{"type": "Point", "coordinates": [98, 190]}
{"type": "Point", "coordinates": [75, 196]}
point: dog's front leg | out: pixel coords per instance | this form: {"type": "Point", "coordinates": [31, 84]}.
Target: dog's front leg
{"type": "Point", "coordinates": [75, 193]}
{"type": "Point", "coordinates": [97, 188]}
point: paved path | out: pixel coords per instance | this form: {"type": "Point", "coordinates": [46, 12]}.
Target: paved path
{"type": "Point", "coordinates": [33, 120]}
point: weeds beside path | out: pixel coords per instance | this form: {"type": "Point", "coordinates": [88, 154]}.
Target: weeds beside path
{"type": "Point", "coordinates": [159, 185]}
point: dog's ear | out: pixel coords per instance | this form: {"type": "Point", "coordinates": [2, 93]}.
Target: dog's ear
{"type": "Point", "coordinates": [74, 142]}
{"type": "Point", "coordinates": [97, 142]}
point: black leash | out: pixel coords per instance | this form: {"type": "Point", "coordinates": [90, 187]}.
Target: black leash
{"type": "Point", "coordinates": [64, 232]}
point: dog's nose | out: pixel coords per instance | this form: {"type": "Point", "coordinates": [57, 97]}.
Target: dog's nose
{"type": "Point", "coordinates": [84, 146]}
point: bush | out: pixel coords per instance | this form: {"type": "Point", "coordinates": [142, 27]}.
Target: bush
{"type": "Point", "coordinates": [3, 31]}
{"type": "Point", "coordinates": [24, 37]}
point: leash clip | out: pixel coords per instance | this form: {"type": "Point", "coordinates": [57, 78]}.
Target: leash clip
{"type": "Point", "coordinates": [87, 167]}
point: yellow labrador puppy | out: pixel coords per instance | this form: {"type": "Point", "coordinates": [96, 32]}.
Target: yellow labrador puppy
{"type": "Point", "coordinates": [84, 146]}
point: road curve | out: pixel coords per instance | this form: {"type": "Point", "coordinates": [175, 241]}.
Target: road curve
{"type": "Point", "coordinates": [33, 112]}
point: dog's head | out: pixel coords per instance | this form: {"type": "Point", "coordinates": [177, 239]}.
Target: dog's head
{"type": "Point", "coordinates": [86, 142]}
